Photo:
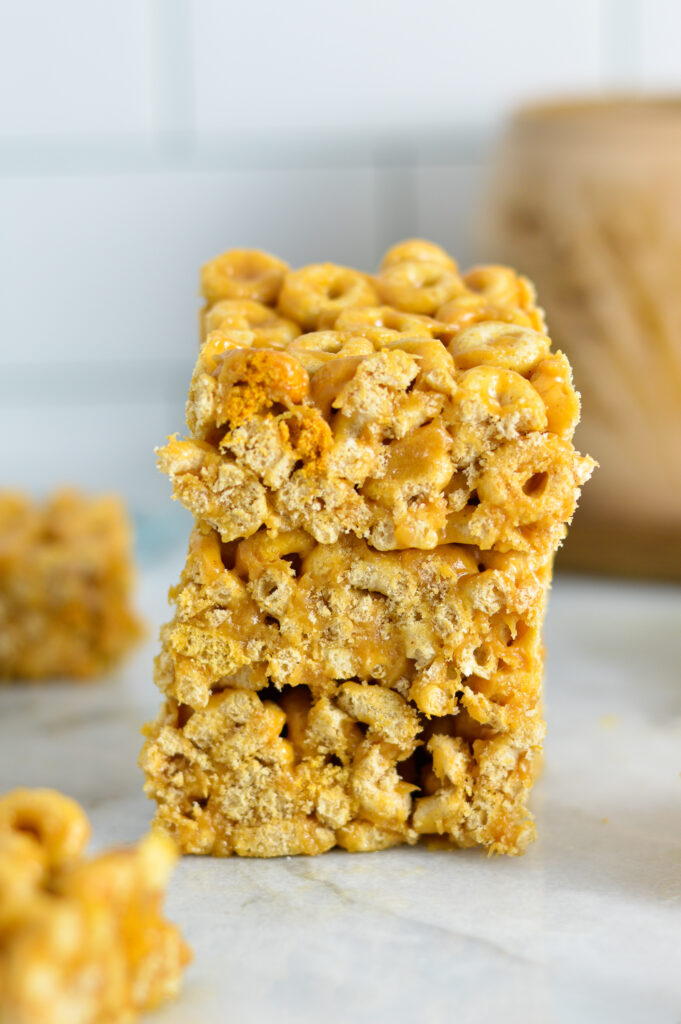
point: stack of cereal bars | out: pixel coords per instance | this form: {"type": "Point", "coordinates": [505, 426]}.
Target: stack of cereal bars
{"type": "Point", "coordinates": [380, 470]}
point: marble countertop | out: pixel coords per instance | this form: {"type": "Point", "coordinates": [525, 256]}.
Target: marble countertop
{"type": "Point", "coordinates": [585, 927]}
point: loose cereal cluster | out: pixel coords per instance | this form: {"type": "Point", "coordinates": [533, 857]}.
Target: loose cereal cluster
{"type": "Point", "coordinates": [65, 584]}
{"type": "Point", "coordinates": [81, 941]}
{"type": "Point", "coordinates": [381, 469]}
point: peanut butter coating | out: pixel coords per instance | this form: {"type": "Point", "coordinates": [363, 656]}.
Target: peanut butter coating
{"type": "Point", "coordinates": [355, 657]}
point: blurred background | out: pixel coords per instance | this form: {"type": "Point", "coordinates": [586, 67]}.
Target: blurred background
{"type": "Point", "coordinates": [139, 139]}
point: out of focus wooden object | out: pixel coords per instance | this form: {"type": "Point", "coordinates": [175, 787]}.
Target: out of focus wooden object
{"type": "Point", "coordinates": [585, 198]}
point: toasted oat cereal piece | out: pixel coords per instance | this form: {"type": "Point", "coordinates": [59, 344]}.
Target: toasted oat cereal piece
{"type": "Point", "coordinates": [269, 330]}
{"type": "Point", "coordinates": [66, 576]}
{"type": "Point", "coordinates": [418, 250]}
{"type": "Point", "coordinates": [82, 941]}
{"type": "Point", "coordinates": [355, 657]}
{"type": "Point", "coordinates": [243, 274]}
{"type": "Point", "coordinates": [313, 295]}
{"type": "Point", "coordinates": [418, 286]}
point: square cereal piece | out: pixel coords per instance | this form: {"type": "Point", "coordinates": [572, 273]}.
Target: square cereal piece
{"type": "Point", "coordinates": [66, 576]}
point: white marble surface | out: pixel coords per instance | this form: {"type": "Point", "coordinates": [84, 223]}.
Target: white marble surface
{"type": "Point", "coordinates": [586, 927]}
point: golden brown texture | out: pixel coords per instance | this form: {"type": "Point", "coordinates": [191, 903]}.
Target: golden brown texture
{"type": "Point", "coordinates": [355, 656]}
{"type": "Point", "coordinates": [386, 433]}
{"type": "Point", "coordinates": [82, 941]}
{"type": "Point", "coordinates": [66, 577]}
{"type": "Point", "coordinates": [308, 685]}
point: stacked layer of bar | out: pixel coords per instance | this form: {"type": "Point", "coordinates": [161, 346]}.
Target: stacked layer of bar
{"type": "Point", "coordinates": [381, 470]}
{"type": "Point", "coordinates": [66, 577]}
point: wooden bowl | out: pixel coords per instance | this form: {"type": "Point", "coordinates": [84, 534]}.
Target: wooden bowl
{"type": "Point", "coordinates": [585, 198]}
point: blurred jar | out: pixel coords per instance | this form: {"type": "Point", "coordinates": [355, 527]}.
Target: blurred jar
{"type": "Point", "coordinates": [585, 198]}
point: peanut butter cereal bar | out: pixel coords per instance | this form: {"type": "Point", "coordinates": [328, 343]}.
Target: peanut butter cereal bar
{"type": "Point", "coordinates": [65, 582]}
{"type": "Point", "coordinates": [380, 469]}
{"type": "Point", "coordinates": [81, 941]}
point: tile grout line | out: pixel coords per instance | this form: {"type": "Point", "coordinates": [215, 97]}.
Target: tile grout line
{"type": "Point", "coordinates": [181, 150]}
{"type": "Point", "coordinates": [120, 382]}
{"type": "Point", "coordinates": [396, 213]}
{"type": "Point", "coordinates": [175, 106]}
{"type": "Point", "coordinates": [621, 23]}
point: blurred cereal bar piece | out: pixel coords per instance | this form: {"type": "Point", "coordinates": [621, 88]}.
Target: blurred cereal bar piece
{"type": "Point", "coordinates": [81, 940]}
{"type": "Point", "coordinates": [66, 576]}
{"type": "Point", "coordinates": [356, 656]}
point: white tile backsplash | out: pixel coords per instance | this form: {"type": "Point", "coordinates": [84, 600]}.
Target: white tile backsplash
{"type": "Point", "coordinates": [305, 66]}
{"type": "Point", "coordinates": [447, 196]}
{"type": "Point", "coordinates": [103, 447]}
{"type": "Point", "coordinates": [106, 267]}
{"type": "Point", "coordinates": [74, 67]}
{"type": "Point", "coordinates": [660, 45]}
{"type": "Point", "coordinates": [138, 139]}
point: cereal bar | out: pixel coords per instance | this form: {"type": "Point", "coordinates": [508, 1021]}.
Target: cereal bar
{"type": "Point", "coordinates": [81, 940]}
{"type": "Point", "coordinates": [380, 469]}
{"type": "Point", "coordinates": [65, 583]}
